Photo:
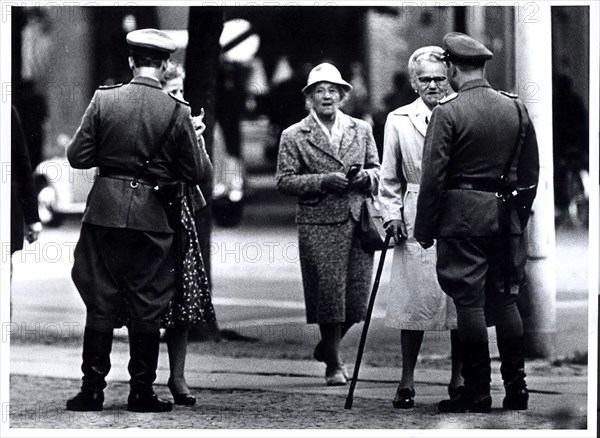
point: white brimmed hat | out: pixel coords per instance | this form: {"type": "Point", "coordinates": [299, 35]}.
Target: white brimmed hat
{"type": "Point", "coordinates": [325, 72]}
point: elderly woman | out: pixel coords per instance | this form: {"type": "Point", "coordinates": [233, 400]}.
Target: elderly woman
{"type": "Point", "coordinates": [315, 155]}
{"type": "Point", "coordinates": [416, 302]}
{"type": "Point", "coordinates": [192, 304]}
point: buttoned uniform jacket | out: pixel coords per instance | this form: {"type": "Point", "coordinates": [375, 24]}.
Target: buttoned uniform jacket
{"type": "Point", "coordinates": [119, 130]}
{"type": "Point", "coordinates": [306, 157]}
{"type": "Point", "coordinates": [471, 136]}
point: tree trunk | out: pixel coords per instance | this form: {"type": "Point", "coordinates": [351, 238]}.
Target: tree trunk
{"type": "Point", "coordinates": [201, 64]}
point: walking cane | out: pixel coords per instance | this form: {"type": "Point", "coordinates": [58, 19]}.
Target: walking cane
{"type": "Point", "coordinates": [363, 336]}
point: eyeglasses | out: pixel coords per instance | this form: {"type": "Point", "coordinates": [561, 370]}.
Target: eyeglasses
{"type": "Point", "coordinates": [331, 90]}
{"type": "Point", "coordinates": [426, 80]}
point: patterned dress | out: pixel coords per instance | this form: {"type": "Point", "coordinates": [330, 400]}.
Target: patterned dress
{"type": "Point", "coordinates": [192, 303]}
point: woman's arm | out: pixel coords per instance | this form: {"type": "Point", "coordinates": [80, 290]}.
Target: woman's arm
{"type": "Point", "coordinates": [390, 186]}
{"type": "Point", "coordinates": [290, 179]}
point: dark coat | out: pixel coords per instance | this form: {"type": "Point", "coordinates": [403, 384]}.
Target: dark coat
{"type": "Point", "coordinates": [472, 136]}
{"type": "Point", "coordinates": [23, 200]}
{"type": "Point", "coordinates": [120, 129]}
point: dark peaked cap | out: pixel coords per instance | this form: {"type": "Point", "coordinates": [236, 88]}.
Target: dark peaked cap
{"type": "Point", "coordinates": [463, 48]}
{"type": "Point", "coordinates": [151, 42]}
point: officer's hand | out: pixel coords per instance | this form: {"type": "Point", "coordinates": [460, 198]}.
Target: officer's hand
{"type": "Point", "coordinates": [33, 231]}
{"type": "Point", "coordinates": [397, 229]}
{"type": "Point", "coordinates": [360, 181]}
{"type": "Point", "coordinates": [426, 243]}
{"type": "Point", "coordinates": [334, 182]}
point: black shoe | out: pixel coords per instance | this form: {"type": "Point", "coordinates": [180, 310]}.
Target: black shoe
{"type": "Point", "coordinates": [516, 399]}
{"type": "Point", "coordinates": [405, 398]}
{"type": "Point", "coordinates": [467, 401]}
{"type": "Point", "coordinates": [181, 399]}
{"type": "Point", "coordinates": [86, 401]}
{"type": "Point", "coordinates": [455, 392]}
{"type": "Point", "coordinates": [147, 403]}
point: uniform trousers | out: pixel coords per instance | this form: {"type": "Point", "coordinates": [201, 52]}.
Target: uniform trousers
{"type": "Point", "coordinates": [113, 262]}
{"type": "Point", "coordinates": [472, 271]}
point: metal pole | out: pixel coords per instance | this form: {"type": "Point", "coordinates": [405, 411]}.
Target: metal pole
{"type": "Point", "coordinates": [533, 62]}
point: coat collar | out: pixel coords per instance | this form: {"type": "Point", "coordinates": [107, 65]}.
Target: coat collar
{"type": "Point", "coordinates": [147, 81]}
{"type": "Point", "coordinates": [475, 83]}
{"type": "Point", "coordinates": [415, 112]}
{"type": "Point", "coordinates": [316, 137]}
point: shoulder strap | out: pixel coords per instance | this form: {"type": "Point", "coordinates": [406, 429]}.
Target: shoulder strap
{"type": "Point", "coordinates": [516, 147]}
{"type": "Point", "coordinates": [160, 142]}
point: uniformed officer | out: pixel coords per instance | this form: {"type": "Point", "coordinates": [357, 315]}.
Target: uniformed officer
{"type": "Point", "coordinates": [139, 138]}
{"type": "Point", "coordinates": [465, 204]}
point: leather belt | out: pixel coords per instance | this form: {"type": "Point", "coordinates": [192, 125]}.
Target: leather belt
{"type": "Point", "coordinates": [482, 185]}
{"type": "Point", "coordinates": [125, 176]}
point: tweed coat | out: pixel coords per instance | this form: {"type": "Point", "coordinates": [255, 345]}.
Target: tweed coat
{"type": "Point", "coordinates": [415, 299]}
{"type": "Point", "coordinates": [336, 272]}
{"type": "Point", "coordinates": [305, 157]}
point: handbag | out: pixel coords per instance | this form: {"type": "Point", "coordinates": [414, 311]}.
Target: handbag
{"type": "Point", "coordinates": [372, 231]}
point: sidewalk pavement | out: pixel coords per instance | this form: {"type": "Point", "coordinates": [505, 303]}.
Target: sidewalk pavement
{"type": "Point", "coordinates": [256, 393]}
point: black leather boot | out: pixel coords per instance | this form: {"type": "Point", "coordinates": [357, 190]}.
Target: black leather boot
{"type": "Point", "coordinates": [95, 366]}
{"type": "Point", "coordinates": [513, 373]}
{"type": "Point", "coordinates": [143, 351]}
{"type": "Point", "coordinates": [476, 371]}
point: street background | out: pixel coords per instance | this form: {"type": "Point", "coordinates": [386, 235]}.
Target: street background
{"type": "Point", "coordinates": [245, 69]}
{"type": "Point", "coordinates": [261, 375]}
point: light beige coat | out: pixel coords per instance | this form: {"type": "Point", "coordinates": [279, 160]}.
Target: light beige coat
{"type": "Point", "coordinates": [415, 300]}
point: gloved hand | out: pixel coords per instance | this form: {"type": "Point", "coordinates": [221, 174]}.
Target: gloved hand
{"type": "Point", "coordinates": [361, 181]}
{"type": "Point", "coordinates": [397, 229]}
{"type": "Point", "coordinates": [335, 182]}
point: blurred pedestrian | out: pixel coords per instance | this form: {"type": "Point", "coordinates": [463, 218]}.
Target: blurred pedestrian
{"type": "Point", "coordinates": [315, 155]}
{"type": "Point", "coordinates": [23, 199]}
{"type": "Point", "coordinates": [479, 177]}
{"type": "Point", "coordinates": [416, 302]}
{"type": "Point", "coordinates": [141, 139]}
{"type": "Point", "coordinates": [192, 302]}
{"type": "Point", "coordinates": [401, 94]}
{"type": "Point", "coordinates": [286, 105]}
{"type": "Point", "coordinates": [24, 218]}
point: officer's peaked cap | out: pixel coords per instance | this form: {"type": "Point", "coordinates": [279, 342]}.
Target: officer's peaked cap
{"type": "Point", "coordinates": [463, 48]}
{"type": "Point", "coordinates": [151, 42]}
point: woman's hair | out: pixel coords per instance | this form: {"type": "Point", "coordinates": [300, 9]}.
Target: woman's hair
{"type": "Point", "coordinates": [427, 53]}
{"type": "Point", "coordinates": [174, 70]}
{"type": "Point", "coordinates": [308, 94]}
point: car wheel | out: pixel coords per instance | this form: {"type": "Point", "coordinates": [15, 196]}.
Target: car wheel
{"type": "Point", "coordinates": [46, 198]}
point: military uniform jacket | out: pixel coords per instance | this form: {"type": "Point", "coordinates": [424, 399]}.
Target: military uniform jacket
{"type": "Point", "coordinates": [119, 130]}
{"type": "Point", "coordinates": [471, 136]}
{"type": "Point", "coordinates": [306, 156]}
